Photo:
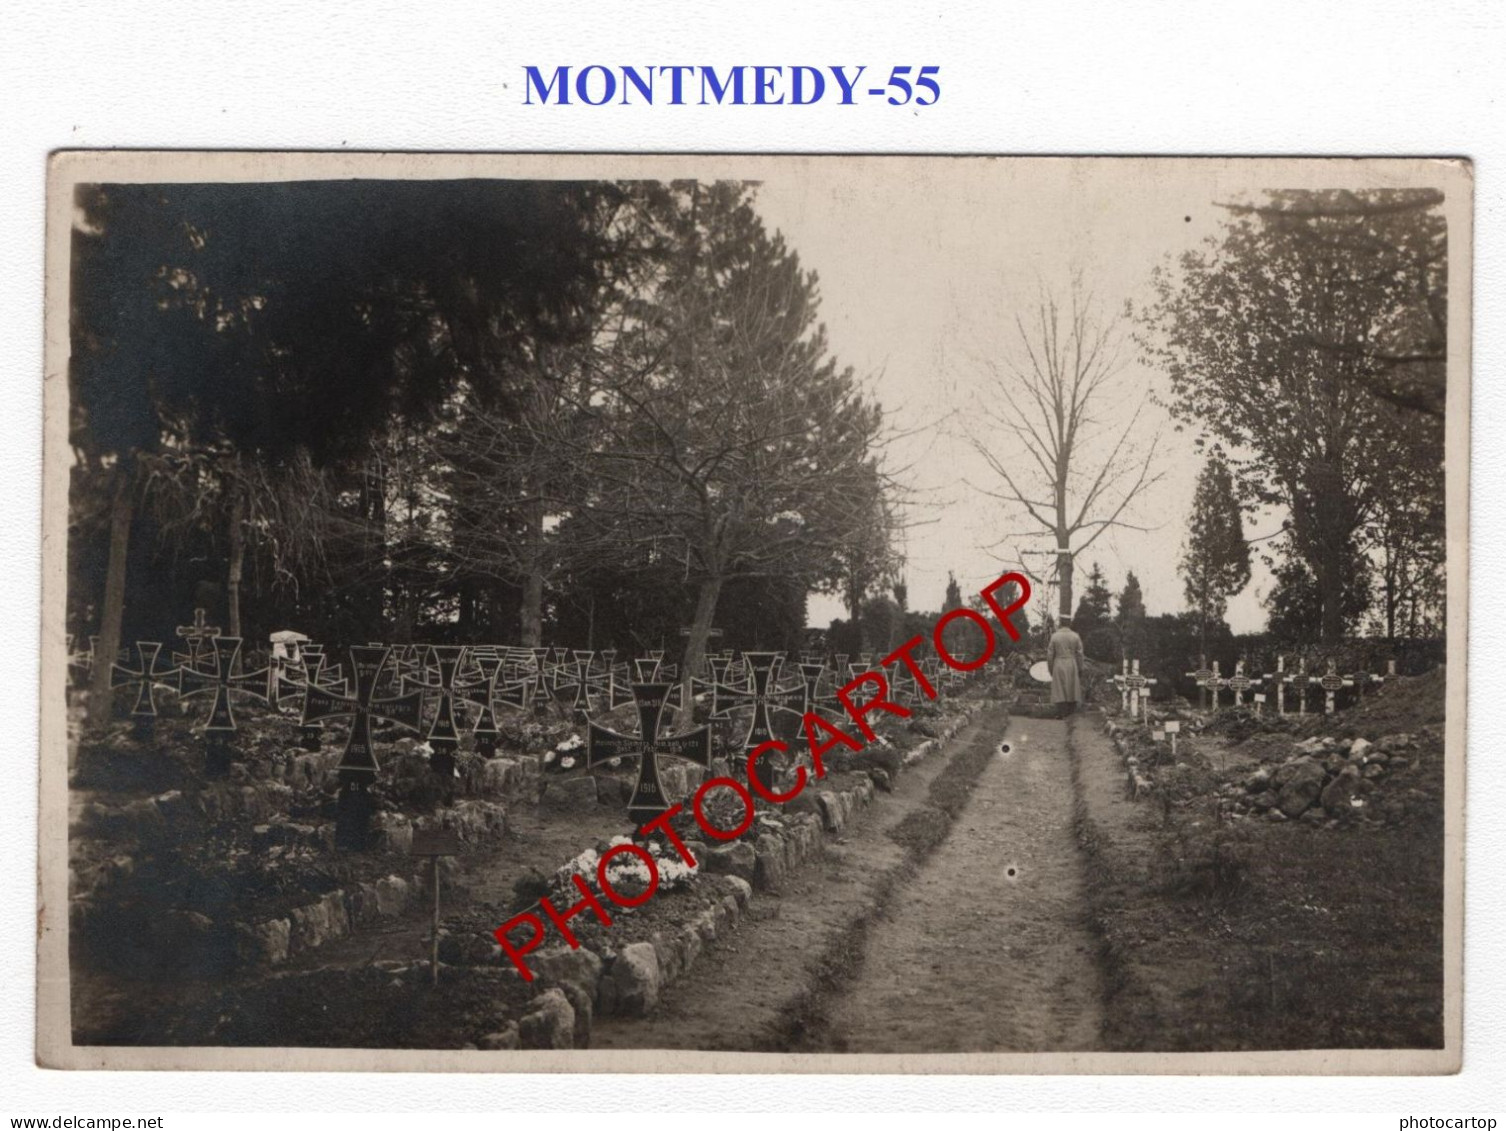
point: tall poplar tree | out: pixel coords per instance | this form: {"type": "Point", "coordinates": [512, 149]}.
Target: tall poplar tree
{"type": "Point", "coordinates": [1215, 562]}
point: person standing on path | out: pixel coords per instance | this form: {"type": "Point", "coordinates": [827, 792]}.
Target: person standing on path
{"type": "Point", "coordinates": [1064, 659]}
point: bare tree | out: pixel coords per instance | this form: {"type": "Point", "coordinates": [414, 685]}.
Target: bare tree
{"type": "Point", "coordinates": [1049, 428]}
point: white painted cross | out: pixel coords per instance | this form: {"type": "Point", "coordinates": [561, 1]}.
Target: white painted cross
{"type": "Point", "coordinates": [1300, 681]}
{"type": "Point", "coordinates": [1202, 676]}
{"type": "Point", "coordinates": [1330, 681]}
{"type": "Point", "coordinates": [1216, 683]}
{"type": "Point", "coordinates": [1121, 681]}
{"type": "Point", "coordinates": [1240, 683]}
{"type": "Point", "coordinates": [1139, 699]}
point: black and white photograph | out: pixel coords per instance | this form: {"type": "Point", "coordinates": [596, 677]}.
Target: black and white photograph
{"type": "Point", "coordinates": [713, 613]}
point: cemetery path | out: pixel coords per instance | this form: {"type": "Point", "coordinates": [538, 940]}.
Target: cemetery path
{"type": "Point", "coordinates": [988, 947]}
{"type": "Point", "coordinates": [739, 993]}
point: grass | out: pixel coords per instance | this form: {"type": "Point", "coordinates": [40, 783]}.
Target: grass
{"type": "Point", "coordinates": [1257, 935]}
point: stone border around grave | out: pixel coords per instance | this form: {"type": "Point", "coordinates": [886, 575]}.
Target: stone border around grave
{"type": "Point", "coordinates": [631, 981]}
{"type": "Point", "coordinates": [334, 915]}
{"type": "Point", "coordinates": [1140, 783]}
{"type": "Point", "coordinates": [341, 912]}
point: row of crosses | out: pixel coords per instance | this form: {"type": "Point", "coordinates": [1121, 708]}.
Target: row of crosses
{"type": "Point", "coordinates": [1330, 682]}
{"type": "Point", "coordinates": [390, 686]}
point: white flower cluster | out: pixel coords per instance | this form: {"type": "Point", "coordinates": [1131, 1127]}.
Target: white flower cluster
{"type": "Point", "coordinates": [626, 869]}
{"type": "Point", "coordinates": [564, 751]}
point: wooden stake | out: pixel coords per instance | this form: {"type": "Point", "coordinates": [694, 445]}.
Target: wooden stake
{"type": "Point", "coordinates": [434, 940]}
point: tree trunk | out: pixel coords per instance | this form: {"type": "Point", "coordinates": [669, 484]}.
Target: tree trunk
{"type": "Point", "coordinates": [700, 631]}
{"type": "Point", "coordinates": [112, 612]}
{"type": "Point", "coordinates": [237, 559]}
{"type": "Point", "coordinates": [1063, 576]}
{"type": "Point", "coordinates": [1331, 589]}
{"type": "Point", "coordinates": [531, 614]}
{"type": "Point", "coordinates": [374, 593]}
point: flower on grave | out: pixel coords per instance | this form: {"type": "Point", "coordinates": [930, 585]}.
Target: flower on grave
{"type": "Point", "coordinates": [548, 757]}
{"type": "Point", "coordinates": [573, 742]}
{"type": "Point", "coordinates": [567, 762]}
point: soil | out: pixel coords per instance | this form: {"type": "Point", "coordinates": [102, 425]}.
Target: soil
{"type": "Point", "coordinates": [1249, 935]}
{"type": "Point", "coordinates": [743, 991]}
{"type": "Point", "coordinates": [988, 949]}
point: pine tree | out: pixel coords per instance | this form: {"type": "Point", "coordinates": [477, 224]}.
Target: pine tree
{"type": "Point", "coordinates": [1215, 562]}
{"type": "Point", "coordinates": [953, 594]}
{"type": "Point", "coordinates": [1093, 609]}
{"type": "Point", "coordinates": [1131, 617]}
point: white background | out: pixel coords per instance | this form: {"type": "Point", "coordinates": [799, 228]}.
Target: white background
{"type": "Point", "coordinates": [1277, 77]}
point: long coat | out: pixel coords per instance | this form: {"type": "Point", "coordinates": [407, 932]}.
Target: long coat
{"type": "Point", "coordinates": [1064, 658]}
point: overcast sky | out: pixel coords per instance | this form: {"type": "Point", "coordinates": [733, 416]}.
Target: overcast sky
{"type": "Point", "coordinates": [923, 266]}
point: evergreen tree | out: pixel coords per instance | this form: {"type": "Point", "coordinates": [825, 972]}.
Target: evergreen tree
{"type": "Point", "coordinates": [953, 593]}
{"type": "Point", "coordinates": [1130, 618]}
{"type": "Point", "coordinates": [1215, 561]}
{"type": "Point", "coordinates": [1308, 338]}
{"type": "Point", "coordinates": [1093, 609]}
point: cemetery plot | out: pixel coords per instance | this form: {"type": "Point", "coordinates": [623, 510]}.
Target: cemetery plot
{"type": "Point", "coordinates": [268, 842]}
{"type": "Point", "coordinates": [486, 595]}
{"type": "Point", "coordinates": [1242, 909]}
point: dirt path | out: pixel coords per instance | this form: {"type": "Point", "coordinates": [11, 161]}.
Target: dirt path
{"type": "Point", "coordinates": [739, 991]}
{"type": "Point", "coordinates": [988, 948]}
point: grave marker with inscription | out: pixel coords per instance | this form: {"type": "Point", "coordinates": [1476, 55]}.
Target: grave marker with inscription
{"type": "Point", "coordinates": [603, 746]}
{"type": "Point", "coordinates": [223, 681]}
{"type": "Point", "coordinates": [357, 769]}
{"type": "Point", "coordinates": [144, 677]}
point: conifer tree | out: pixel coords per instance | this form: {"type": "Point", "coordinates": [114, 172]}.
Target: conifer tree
{"type": "Point", "coordinates": [1215, 562]}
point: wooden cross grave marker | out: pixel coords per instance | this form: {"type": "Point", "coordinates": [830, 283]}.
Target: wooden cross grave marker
{"type": "Point", "coordinates": [760, 693]}
{"type": "Point", "coordinates": [80, 661]}
{"type": "Point", "coordinates": [1300, 680]}
{"type": "Point", "coordinates": [144, 677]}
{"type": "Point", "coordinates": [196, 634]}
{"type": "Point", "coordinates": [222, 682]}
{"type": "Point", "coordinates": [482, 692]}
{"type": "Point", "coordinates": [609, 686]}
{"type": "Point", "coordinates": [358, 765]}
{"type": "Point", "coordinates": [603, 745]}
{"type": "Point", "coordinates": [1363, 679]}
{"type": "Point", "coordinates": [1239, 683]}
{"type": "Point", "coordinates": [1201, 677]}
{"type": "Point", "coordinates": [443, 737]}
{"type": "Point", "coordinates": [1121, 681]}
{"type": "Point", "coordinates": [812, 701]}
{"type": "Point", "coordinates": [571, 687]}
{"type": "Point", "coordinates": [1139, 697]}
{"type": "Point", "coordinates": [315, 671]}
{"type": "Point", "coordinates": [1330, 681]}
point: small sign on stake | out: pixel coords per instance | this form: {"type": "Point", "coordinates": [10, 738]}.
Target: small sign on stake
{"type": "Point", "coordinates": [1173, 728]}
{"type": "Point", "coordinates": [435, 843]}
